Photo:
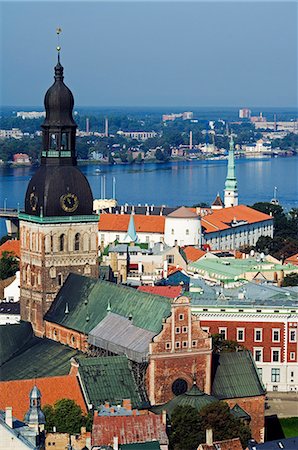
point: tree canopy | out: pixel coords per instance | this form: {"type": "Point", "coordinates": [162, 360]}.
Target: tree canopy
{"type": "Point", "coordinates": [66, 416]}
{"type": "Point", "coordinates": [8, 265]}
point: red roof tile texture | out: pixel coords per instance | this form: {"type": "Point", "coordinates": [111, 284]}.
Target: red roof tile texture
{"type": "Point", "coordinates": [16, 393]}
{"type": "Point", "coordinates": [12, 245]}
{"type": "Point", "coordinates": [143, 224]}
{"type": "Point", "coordinates": [163, 291]}
{"type": "Point", "coordinates": [292, 260]}
{"type": "Point", "coordinates": [229, 444]}
{"type": "Point", "coordinates": [192, 253]}
{"type": "Point", "coordinates": [222, 218]}
{"type": "Point", "coordinates": [129, 429]}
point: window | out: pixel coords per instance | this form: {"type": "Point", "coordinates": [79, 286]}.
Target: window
{"type": "Point", "coordinates": [194, 343]}
{"type": "Point", "coordinates": [77, 242]}
{"type": "Point", "coordinates": [168, 345]}
{"type": "Point", "coordinates": [60, 279]}
{"type": "Point", "coordinates": [181, 316]}
{"type": "Point", "coordinates": [240, 334]}
{"type": "Point", "coordinates": [258, 334]}
{"type": "Point", "coordinates": [64, 141]}
{"type": "Point", "coordinates": [206, 329]}
{"type": "Point", "coordinates": [170, 259]}
{"type": "Point", "coordinates": [61, 242]}
{"type": "Point", "coordinates": [177, 330]}
{"type": "Point", "coordinates": [275, 357]}
{"type": "Point", "coordinates": [260, 372]}
{"type": "Point", "coordinates": [276, 335]}
{"type": "Point", "coordinates": [53, 141]}
{"type": "Point", "coordinates": [147, 239]}
{"type": "Point", "coordinates": [292, 356]}
{"type": "Point", "coordinates": [223, 333]}
{"type": "Point", "coordinates": [172, 231]}
{"type": "Point", "coordinates": [187, 232]}
{"type": "Point", "coordinates": [292, 335]}
{"type": "Point", "coordinates": [179, 386]}
{"type": "Point", "coordinates": [258, 354]}
{"type": "Point", "coordinates": [184, 344]}
{"type": "Point", "coordinates": [275, 375]}
{"type": "Point", "coordinates": [177, 344]}
{"type": "Point", "coordinates": [102, 237]}
{"type": "Point", "coordinates": [184, 329]}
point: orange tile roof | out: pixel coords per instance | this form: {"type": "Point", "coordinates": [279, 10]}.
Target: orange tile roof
{"type": "Point", "coordinates": [222, 218]}
{"type": "Point", "coordinates": [163, 291]}
{"type": "Point", "coordinates": [229, 444]}
{"type": "Point", "coordinates": [192, 253]}
{"type": "Point", "coordinates": [292, 259]}
{"type": "Point", "coordinates": [16, 393]}
{"type": "Point", "coordinates": [143, 224]}
{"type": "Point", "coordinates": [12, 245]}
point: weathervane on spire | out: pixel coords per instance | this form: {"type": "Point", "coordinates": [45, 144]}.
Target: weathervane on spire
{"type": "Point", "coordinates": [58, 32]}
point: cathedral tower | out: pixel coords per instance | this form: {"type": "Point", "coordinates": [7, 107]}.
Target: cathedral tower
{"type": "Point", "coordinates": [231, 190]}
{"type": "Point", "coordinates": [58, 230]}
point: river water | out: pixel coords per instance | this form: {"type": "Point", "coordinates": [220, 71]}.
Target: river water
{"type": "Point", "coordinates": [175, 183]}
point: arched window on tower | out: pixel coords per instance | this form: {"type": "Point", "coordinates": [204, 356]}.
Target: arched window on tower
{"type": "Point", "coordinates": [77, 242]}
{"type": "Point", "coordinates": [62, 242]}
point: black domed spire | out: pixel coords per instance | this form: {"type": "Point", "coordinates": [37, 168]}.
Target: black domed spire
{"type": "Point", "coordinates": [58, 188]}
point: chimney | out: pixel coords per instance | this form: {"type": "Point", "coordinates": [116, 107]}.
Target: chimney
{"type": "Point", "coordinates": [115, 443]}
{"type": "Point", "coordinates": [8, 416]}
{"type": "Point", "coordinates": [164, 416]}
{"type": "Point", "coordinates": [126, 403]}
{"type": "Point", "coordinates": [209, 436]}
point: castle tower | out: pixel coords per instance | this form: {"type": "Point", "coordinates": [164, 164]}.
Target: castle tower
{"type": "Point", "coordinates": [58, 230]}
{"type": "Point", "coordinates": [35, 418]}
{"type": "Point", "coordinates": [231, 190]}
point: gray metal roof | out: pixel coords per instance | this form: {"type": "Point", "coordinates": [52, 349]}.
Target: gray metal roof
{"type": "Point", "coordinates": [118, 335]}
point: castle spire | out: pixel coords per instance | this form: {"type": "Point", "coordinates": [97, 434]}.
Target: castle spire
{"type": "Point", "coordinates": [231, 190]}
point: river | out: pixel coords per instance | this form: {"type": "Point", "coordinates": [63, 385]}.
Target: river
{"type": "Point", "coordinates": [175, 183]}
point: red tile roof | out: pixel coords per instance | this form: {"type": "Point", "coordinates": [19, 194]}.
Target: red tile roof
{"type": "Point", "coordinates": [12, 245]}
{"type": "Point", "coordinates": [222, 218]}
{"type": "Point", "coordinates": [129, 429]}
{"type": "Point", "coordinates": [292, 259]}
{"type": "Point", "coordinates": [163, 291]}
{"type": "Point", "coordinates": [229, 444]}
{"type": "Point", "coordinates": [16, 393]}
{"type": "Point", "coordinates": [143, 224]}
{"type": "Point", "coordinates": [192, 253]}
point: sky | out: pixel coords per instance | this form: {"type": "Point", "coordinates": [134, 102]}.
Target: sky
{"type": "Point", "coordinates": [153, 53]}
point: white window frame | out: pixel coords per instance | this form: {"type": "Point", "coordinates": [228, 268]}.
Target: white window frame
{"type": "Point", "coordinates": [276, 375]}
{"type": "Point", "coordinates": [255, 334]}
{"type": "Point", "coordinates": [292, 330]}
{"type": "Point", "coordinates": [292, 356]}
{"type": "Point", "coordinates": [261, 349]}
{"type": "Point", "coordinates": [206, 329]}
{"type": "Point", "coordinates": [243, 331]}
{"type": "Point", "coordinates": [276, 330]}
{"type": "Point", "coordinates": [276, 349]}
{"type": "Point", "coordinates": [224, 330]}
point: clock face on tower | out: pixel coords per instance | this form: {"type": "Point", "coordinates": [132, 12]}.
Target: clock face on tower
{"type": "Point", "coordinates": [33, 201]}
{"type": "Point", "coordinates": [69, 202]}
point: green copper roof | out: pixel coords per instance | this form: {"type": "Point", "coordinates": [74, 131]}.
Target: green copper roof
{"type": "Point", "coordinates": [153, 445]}
{"type": "Point", "coordinates": [131, 235]}
{"type": "Point", "coordinates": [194, 397]}
{"type": "Point", "coordinates": [239, 412]}
{"type": "Point", "coordinates": [236, 376]}
{"type": "Point", "coordinates": [59, 219]}
{"type": "Point", "coordinates": [38, 358]}
{"type": "Point", "coordinates": [231, 181]}
{"type": "Point", "coordinates": [109, 379]}
{"type": "Point", "coordinates": [12, 338]}
{"type": "Point", "coordinates": [87, 301]}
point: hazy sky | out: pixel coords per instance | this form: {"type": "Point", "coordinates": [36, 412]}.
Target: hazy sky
{"type": "Point", "coordinates": [152, 53]}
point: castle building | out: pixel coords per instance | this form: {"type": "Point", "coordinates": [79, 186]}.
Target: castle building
{"type": "Point", "coordinates": [58, 230]}
{"type": "Point", "coordinates": [231, 190]}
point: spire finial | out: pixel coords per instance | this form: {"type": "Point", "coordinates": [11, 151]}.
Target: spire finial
{"type": "Point", "coordinates": [58, 48]}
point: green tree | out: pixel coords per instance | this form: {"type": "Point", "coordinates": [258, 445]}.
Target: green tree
{"type": "Point", "coordinates": [222, 345]}
{"type": "Point", "coordinates": [186, 433]}
{"type": "Point", "coordinates": [290, 280]}
{"type": "Point", "coordinates": [8, 265]}
{"type": "Point", "coordinates": [224, 424]}
{"type": "Point", "coordinates": [65, 415]}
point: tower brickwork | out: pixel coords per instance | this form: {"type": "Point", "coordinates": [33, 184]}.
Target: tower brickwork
{"type": "Point", "coordinates": [58, 230]}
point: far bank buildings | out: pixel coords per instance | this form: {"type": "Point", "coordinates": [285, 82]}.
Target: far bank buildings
{"type": "Point", "coordinates": [63, 299]}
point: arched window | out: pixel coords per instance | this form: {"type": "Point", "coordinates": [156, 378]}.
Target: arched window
{"type": "Point", "coordinates": [77, 242]}
{"type": "Point", "coordinates": [61, 242]}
